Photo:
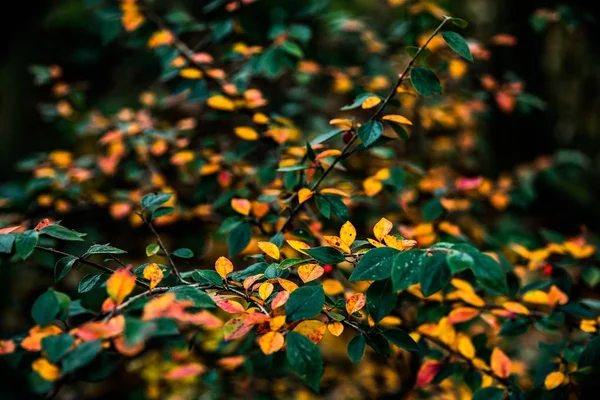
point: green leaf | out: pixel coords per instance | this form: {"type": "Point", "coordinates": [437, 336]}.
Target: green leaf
{"type": "Point", "coordinates": [432, 210]}
{"type": "Point", "coordinates": [290, 262]}
{"type": "Point", "coordinates": [370, 132]}
{"type": "Point", "coordinates": [305, 358]}
{"type": "Point", "coordinates": [153, 200]}
{"type": "Point", "coordinates": [183, 253]}
{"type": "Point", "coordinates": [458, 44]}
{"type": "Point", "coordinates": [381, 299]}
{"type": "Point", "coordinates": [326, 136]}
{"type": "Point", "coordinates": [162, 211]}
{"type": "Point", "coordinates": [406, 268]}
{"type": "Point", "coordinates": [238, 238]}
{"type": "Point", "coordinates": [489, 273]}
{"type": "Point", "coordinates": [326, 255]}
{"type": "Point", "coordinates": [435, 274]}
{"type": "Point", "coordinates": [489, 393]}
{"type": "Point", "coordinates": [425, 82]}
{"type": "Point", "coordinates": [198, 296]}
{"type": "Point", "coordinates": [152, 249]}
{"type": "Point", "coordinates": [63, 267]}
{"type": "Point", "coordinates": [305, 302]}
{"type": "Point", "coordinates": [57, 346]}
{"type": "Point", "coordinates": [401, 339]}
{"type": "Point", "coordinates": [412, 51]}
{"type": "Point", "coordinates": [60, 232]}
{"type": "Point", "coordinates": [399, 129]}
{"type": "Point", "coordinates": [90, 281]}
{"type": "Point", "coordinates": [293, 49]}
{"type": "Point", "coordinates": [64, 304]}
{"type": "Point", "coordinates": [379, 343]}
{"type": "Point", "coordinates": [6, 243]}
{"type": "Point", "coordinates": [459, 261]}
{"type": "Point", "coordinates": [207, 276]}
{"type": "Point", "coordinates": [81, 356]}
{"type": "Point", "coordinates": [375, 265]}
{"type": "Point", "coordinates": [45, 308]}
{"type": "Point", "coordinates": [356, 348]}
{"type": "Point", "coordinates": [461, 23]}
{"type": "Point", "coordinates": [25, 243]}
{"type": "Point", "coordinates": [137, 331]}
{"type": "Point", "coordinates": [104, 249]}
{"type": "Point", "coordinates": [292, 168]}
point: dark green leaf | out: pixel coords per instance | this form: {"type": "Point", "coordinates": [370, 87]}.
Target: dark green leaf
{"type": "Point", "coordinates": [63, 267]}
{"type": "Point", "coordinates": [435, 274]}
{"type": "Point", "coordinates": [6, 243]}
{"type": "Point", "coordinates": [432, 210]}
{"type": "Point", "coordinates": [459, 261]}
{"type": "Point", "coordinates": [406, 269]}
{"type": "Point", "coordinates": [322, 138]}
{"type": "Point", "coordinates": [198, 296]}
{"type": "Point", "coordinates": [25, 243]}
{"type": "Point", "coordinates": [412, 51]}
{"type": "Point", "coordinates": [489, 393]}
{"type": "Point", "coordinates": [90, 281]}
{"type": "Point", "coordinates": [104, 249]}
{"type": "Point", "coordinates": [238, 238]}
{"type": "Point", "coordinates": [45, 308]}
{"type": "Point", "coordinates": [370, 132]}
{"type": "Point", "coordinates": [425, 82]}
{"type": "Point", "coordinates": [305, 302]}
{"type": "Point", "coordinates": [293, 49]}
{"type": "Point", "coordinates": [356, 348]}
{"type": "Point", "coordinates": [326, 255]}
{"type": "Point", "coordinates": [153, 200]}
{"type": "Point", "coordinates": [137, 331]}
{"type": "Point", "coordinates": [458, 44]}
{"type": "Point", "coordinates": [401, 339]}
{"type": "Point", "coordinates": [381, 299]}
{"type": "Point", "coordinates": [57, 346]}
{"type": "Point", "coordinates": [375, 265]}
{"type": "Point", "coordinates": [305, 358]}
{"type": "Point", "coordinates": [60, 232]}
{"type": "Point", "coordinates": [162, 211]}
{"type": "Point", "coordinates": [461, 23]}
{"type": "Point", "coordinates": [489, 273]}
{"type": "Point", "coordinates": [81, 356]}
{"type": "Point", "coordinates": [207, 276]}
{"type": "Point", "coordinates": [183, 253]}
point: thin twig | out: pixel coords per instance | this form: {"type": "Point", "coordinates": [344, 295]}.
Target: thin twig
{"type": "Point", "coordinates": [346, 149]}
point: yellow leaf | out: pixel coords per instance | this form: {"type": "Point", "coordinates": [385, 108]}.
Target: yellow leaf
{"type": "Point", "coordinates": [271, 342]}
{"type": "Point", "coordinates": [345, 124]}
{"type": "Point", "coordinates": [382, 228]}
{"type": "Point", "coordinates": [223, 267]}
{"type": "Point", "coordinates": [246, 133]}
{"type": "Point", "coordinates": [334, 191]}
{"type": "Point", "coordinates": [515, 307]}
{"type": "Point", "coordinates": [398, 244]}
{"type": "Point", "coordinates": [270, 249]}
{"type": "Point", "coordinates": [332, 287]}
{"type": "Point", "coordinates": [46, 369]}
{"type": "Point", "coordinates": [399, 119]}
{"type": "Point", "coordinates": [298, 245]}
{"type": "Point", "coordinates": [265, 290]}
{"type": "Point", "coordinates": [312, 329]}
{"type": "Point", "coordinates": [154, 274]}
{"type": "Point", "coordinates": [554, 380]}
{"type": "Point", "coordinates": [465, 346]}
{"type": "Point", "coordinates": [310, 272]}
{"type": "Point", "coordinates": [337, 242]}
{"type": "Point", "coordinates": [287, 285]}
{"type": "Point", "coordinates": [588, 325]}
{"type": "Point", "coordinates": [370, 102]}
{"type": "Point", "coordinates": [220, 102]}
{"type": "Point", "coordinates": [471, 298]}
{"type": "Point", "coordinates": [579, 250]}
{"type": "Point", "coordinates": [355, 303]}
{"type": "Point", "coordinates": [500, 363]}
{"type": "Point", "coordinates": [190, 73]}
{"type": "Point", "coordinates": [304, 194]}
{"type": "Point", "coordinates": [242, 206]}
{"type": "Point", "coordinates": [348, 233]}
{"type": "Point", "coordinates": [375, 243]}
{"type": "Point", "coordinates": [372, 186]}
{"type": "Point", "coordinates": [536, 297]}
{"type": "Point", "coordinates": [120, 285]}
{"type": "Point", "coordinates": [276, 323]}
{"type": "Point", "coordinates": [335, 328]}
{"type": "Point", "coordinates": [260, 118]}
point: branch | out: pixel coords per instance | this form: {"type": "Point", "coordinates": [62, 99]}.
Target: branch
{"type": "Point", "coordinates": [346, 149]}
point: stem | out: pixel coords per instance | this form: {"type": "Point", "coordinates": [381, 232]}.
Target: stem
{"type": "Point", "coordinates": [346, 149]}
{"type": "Point", "coordinates": [82, 260]}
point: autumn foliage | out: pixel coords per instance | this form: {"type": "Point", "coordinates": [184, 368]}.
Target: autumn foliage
{"type": "Point", "coordinates": [295, 225]}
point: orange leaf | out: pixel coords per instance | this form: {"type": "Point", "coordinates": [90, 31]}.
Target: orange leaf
{"type": "Point", "coordinates": [280, 299]}
{"type": "Point", "coordinates": [235, 328]}
{"type": "Point", "coordinates": [249, 281]}
{"type": "Point", "coordinates": [265, 290]}
{"type": "Point", "coordinates": [246, 133]}
{"type": "Point", "coordinates": [7, 347]}
{"type": "Point", "coordinates": [242, 206]}
{"type": "Point", "coordinates": [271, 342]}
{"type": "Point", "coordinates": [557, 296]}
{"type": "Point", "coordinates": [223, 267]}
{"type": "Point", "coordinates": [348, 233]}
{"type": "Point", "coordinates": [355, 303]}
{"type": "Point", "coordinates": [304, 194]}
{"type": "Point", "coordinates": [370, 102]}
{"type": "Point", "coordinates": [335, 328]}
{"type": "Point", "coordinates": [382, 228]}
{"type": "Point", "coordinates": [287, 285]}
{"type": "Point", "coordinates": [270, 249]}
{"type": "Point", "coordinates": [328, 153]}
{"type": "Point", "coordinates": [185, 371]}
{"type": "Point", "coordinates": [554, 380]}
{"type": "Point", "coordinates": [231, 306]}
{"type": "Point", "coordinates": [310, 272]}
{"type": "Point", "coordinates": [399, 119]}
{"type": "Point", "coordinates": [220, 102]}
{"type": "Point", "coordinates": [462, 314]}
{"type": "Point", "coordinates": [500, 363]}
{"type": "Point", "coordinates": [312, 329]}
{"type": "Point", "coordinates": [427, 372]}
{"type": "Point", "coordinates": [515, 307]}
{"type": "Point", "coordinates": [154, 274]}
{"type": "Point", "coordinates": [120, 284]}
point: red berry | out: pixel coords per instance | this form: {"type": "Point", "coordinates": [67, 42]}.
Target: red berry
{"type": "Point", "coordinates": [548, 270]}
{"type": "Point", "coordinates": [347, 137]}
{"type": "Point", "coordinates": [328, 268]}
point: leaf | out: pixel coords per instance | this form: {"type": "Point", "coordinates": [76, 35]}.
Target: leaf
{"type": "Point", "coordinates": [162, 211]}
{"type": "Point", "coordinates": [462, 314]}
{"type": "Point", "coordinates": [81, 356]}
{"type": "Point", "coordinates": [489, 273]}
{"type": "Point", "coordinates": [104, 249]}
{"type": "Point", "coordinates": [152, 249]}
{"type": "Point", "coordinates": [120, 285]}
{"type": "Point", "coordinates": [304, 194]}
{"type": "Point", "coordinates": [459, 261]}
{"type": "Point", "coordinates": [305, 302]}
{"type": "Point", "coordinates": [375, 265]}
{"type": "Point", "coordinates": [435, 274]}
{"type": "Point", "coordinates": [270, 249]}
{"type": "Point", "coordinates": [382, 228]}
{"type": "Point", "coordinates": [398, 119]}
{"type": "Point", "coordinates": [310, 272]}
{"type": "Point", "coordinates": [406, 269]}
{"type": "Point", "coordinates": [137, 331]}
{"type": "Point", "coordinates": [292, 49]}
{"type": "Point", "coordinates": [381, 299]}
{"type": "Point", "coordinates": [242, 206]}
{"type": "Point", "coordinates": [60, 232]}
{"type": "Point", "coordinates": [356, 348]}
{"type": "Point", "coordinates": [401, 339]}
{"type": "Point", "coordinates": [461, 23]}
{"type": "Point", "coordinates": [370, 132]}
{"type": "Point", "coordinates": [25, 243]}
{"type": "Point", "coordinates": [198, 297]}
{"type": "Point", "coordinates": [154, 274]}
{"type": "Point", "coordinates": [357, 101]}
{"type": "Point", "coordinates": [90, 281]}
{"type": "Point", "coordinates": [325, 254]}
{"type": "Point", "coordinates": [238, 238]}
{"type": "Point", "coordinates": [432, 210]}
{"type": "Point", "coordinates": [63, 267]}
{"type": "Point", "coordinates": [489, 393]}
{"type": "Point", "coordinates": [425, 82]}
{"type": "Point", "coordinates": [246, 133]}
{"type": "Point", "coordinates": [305, 359]}
{"type": "Point", "coordinates": [554, 380]}
{"type": "Point", "coordinates": [57, 346]}
{"type": "Point", "coordinates": [355, 303]}
{"type": "Point", "coordinates": [348, 233]}
{"type": "Point", "coordinates": [45, 308]}
{"type": "Point", "coordinates": [153, 200]}
{"type": "Point", "coordinates": [265, 290]}
{"type": "Point", "coordinates": [500, 363]}
{"type": "Point", "coordinates": [370, 102]}
{"type": "Point", "coordinates": [312, 329]}
{"type": "Point", "coordinates": [223, 267]}
{"type": "Point", "coordinates": [271, 342]}
{"type": "Point", "coordinates": [183, 253]}
{"type": "Point", "coordinates": [6, 243]}
{"type": "Point", "coordinates": [458, 44]}
{"type": "Point", "coordinates": [335, 328]}
{"type": "Point", "coordinates": [220, 102]}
